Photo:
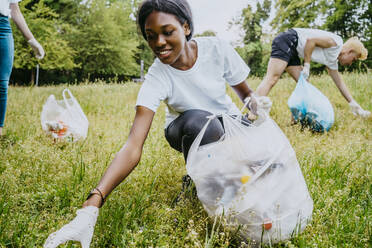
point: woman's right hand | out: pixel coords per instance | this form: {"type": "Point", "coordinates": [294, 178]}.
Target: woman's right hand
{"type": "Point", "coordinates": [80, 229]}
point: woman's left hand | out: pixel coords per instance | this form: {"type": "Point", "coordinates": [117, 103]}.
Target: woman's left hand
{"type": "Point", "coordinates": [38, 49]}
{"type": "Point", "coordinates": [252, 104]}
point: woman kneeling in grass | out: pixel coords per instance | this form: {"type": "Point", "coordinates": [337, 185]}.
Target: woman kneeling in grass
{"type": "Point", "coordinates": [189, 75]}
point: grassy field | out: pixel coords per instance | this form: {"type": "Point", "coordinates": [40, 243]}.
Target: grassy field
{"type": "Point", "coordinates": [43, 183]}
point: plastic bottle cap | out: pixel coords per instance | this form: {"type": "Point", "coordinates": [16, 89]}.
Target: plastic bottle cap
{"type": "Point", "coordinates": [245, 179]}
{"type": "Point", "coordinates": [267, 224]}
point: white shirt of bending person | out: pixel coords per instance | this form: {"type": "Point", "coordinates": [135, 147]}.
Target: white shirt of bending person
{"type": "Point", "coordinates": [325, 56]}
{"type": "Point", "coordinates": [201, 87]}
{"type": "Point", "coordinates": [4, 6]}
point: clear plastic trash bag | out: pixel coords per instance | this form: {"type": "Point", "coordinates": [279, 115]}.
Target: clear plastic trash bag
{"type": "Point", "coordinates": [252, 177]}
{"type": "Point", "coordinates": [64, 119]}
{"type": "Point", "coordinates": [310, 107]}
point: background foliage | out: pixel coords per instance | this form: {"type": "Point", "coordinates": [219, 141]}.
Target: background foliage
{"type": "Point", "coordinates": [254, 52]}
{"type": "Point", "coordinates": [346, 18]}
{"type": "Point", "coordinates": [99, 39]}
{"type": "Point", "coordinates": [50, 32]}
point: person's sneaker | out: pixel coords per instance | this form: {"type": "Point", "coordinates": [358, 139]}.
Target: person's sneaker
{"type": "Point", "coordinates": [188, 190]}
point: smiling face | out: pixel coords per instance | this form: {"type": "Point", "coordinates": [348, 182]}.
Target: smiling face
{"type": "Point", "coordinates": [348, 57]}
{"type": "Point", "coordinates": [166, 36]}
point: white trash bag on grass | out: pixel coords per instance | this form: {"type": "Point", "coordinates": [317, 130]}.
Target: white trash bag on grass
{"type": "Point", "coordinates": [252, 177]}
{"type": "Point", "coordinates": [64, 119]}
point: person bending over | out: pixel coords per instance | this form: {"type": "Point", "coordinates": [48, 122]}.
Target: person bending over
{"type": "Point", "coordinates": [190, 76]}
{"type": "Point", "coordinates": [313, 45]}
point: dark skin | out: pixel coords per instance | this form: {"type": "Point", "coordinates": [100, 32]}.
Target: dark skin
{"type": "Point", "coordinates": [167, 38]}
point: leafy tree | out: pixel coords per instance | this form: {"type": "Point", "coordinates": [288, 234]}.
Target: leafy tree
{"type": "Point", "coordinates": [68, 10]}
{"type": "Point", "coordinates": [301, 14]}
{"type": "Point", "coordinates": [352, 18]}
{"type": "Point", "coordinates": [349, 18]}
{"type": "Point", "coordinates": [48, 30]}
{"type": "Point", "coordinates": [346, 18]}
{"type": "Point", "coordinates": [106, 39]}
{"type": "Point", "coordinates": [206, 33]}
{"type": "Point", "coordinates": [144, 53]}
{"type": "Point", "coordinates": [254, 50]}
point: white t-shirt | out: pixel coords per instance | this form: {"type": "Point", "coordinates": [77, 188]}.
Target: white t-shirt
{"type": "Point", "coordinates": [201, 87]}
{"type": "Point", "coordinates": [325, 56]}
{"type": "Point", "coordinates": [4, 6]}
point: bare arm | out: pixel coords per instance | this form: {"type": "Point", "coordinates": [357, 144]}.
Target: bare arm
{"type": "Point", "coordinates": [20, 22]}
{"type": "Point", "coordinates": [242, 90]}
{"type": "Point", "coordinates": [336, 77]}
{"type": "Point", "coordinates": [127, 158]}
{"type": "Point", "coordinates": [323, 42]}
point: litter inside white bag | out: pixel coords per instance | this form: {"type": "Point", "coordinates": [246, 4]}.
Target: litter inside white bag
{"type": "Point", "coordinates": [252, 177]}
{"type": "Point", "coordinates": [64, 119]}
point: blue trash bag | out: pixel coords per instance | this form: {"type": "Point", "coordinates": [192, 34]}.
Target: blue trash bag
{"type": "Point", "coordinates": [310, 107]}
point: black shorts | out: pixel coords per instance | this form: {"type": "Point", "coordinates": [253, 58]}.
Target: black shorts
{"type": "Point", "coordinates": [284, 47]}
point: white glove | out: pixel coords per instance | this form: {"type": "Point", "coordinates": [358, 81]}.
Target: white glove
{"type": "Point", "coordinates": [252, 103]}
{"type": "Point", "coordinates": [256, 103]}
{"type": "Point", "coordinates": [264, 103]}
{"type": "Point", "coordinates": [79, 229]}
{"type": "Point", "coordinates": [356, 109]}
{"type": "Point", "coordinates": [306, 70]}
{"type": "Point", "coordinates": [38, 49]}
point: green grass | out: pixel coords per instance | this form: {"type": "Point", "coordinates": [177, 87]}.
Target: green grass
{"type": "Point", "coordinates": [43, 183]}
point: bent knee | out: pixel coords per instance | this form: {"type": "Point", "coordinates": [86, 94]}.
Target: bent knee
{"type": "Point", "coordinates": [196, 119]}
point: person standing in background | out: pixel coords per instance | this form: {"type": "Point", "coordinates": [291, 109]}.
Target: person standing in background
{"type": "Point", "coordinates": [10, 9]}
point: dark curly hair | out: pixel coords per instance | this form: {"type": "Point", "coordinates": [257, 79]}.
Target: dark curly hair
{"type": "Point", "coordinates": [178, 8]}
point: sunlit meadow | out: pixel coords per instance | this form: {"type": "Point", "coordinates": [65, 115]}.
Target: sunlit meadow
{"type": "Point", "coordinates": [43, 183]}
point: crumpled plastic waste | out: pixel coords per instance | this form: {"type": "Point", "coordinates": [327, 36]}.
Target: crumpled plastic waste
{"type": "Point", "coordinates": [57, 129]}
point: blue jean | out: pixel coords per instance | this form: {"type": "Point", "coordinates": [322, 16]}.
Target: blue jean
{"type": "Point", "coordinates": [6, 63]}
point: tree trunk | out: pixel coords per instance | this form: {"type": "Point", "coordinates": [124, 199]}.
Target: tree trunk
{"type": "Point", "coordinates": [32, 82]}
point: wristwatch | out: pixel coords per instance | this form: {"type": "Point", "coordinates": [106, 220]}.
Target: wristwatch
{"type": "Point", "coordinates": [96, 191]}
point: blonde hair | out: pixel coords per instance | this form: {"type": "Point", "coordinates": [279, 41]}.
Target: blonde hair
{"type": "Point", "coordinates": [357, 46]}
